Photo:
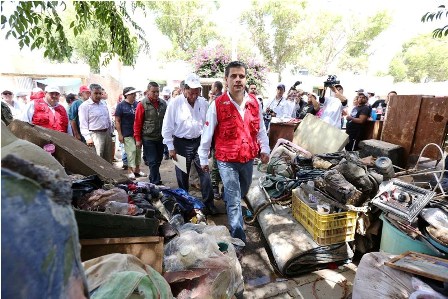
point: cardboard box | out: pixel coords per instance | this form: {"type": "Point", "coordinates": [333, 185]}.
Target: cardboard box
{"type": "Point", "coordinates": [147, 249]}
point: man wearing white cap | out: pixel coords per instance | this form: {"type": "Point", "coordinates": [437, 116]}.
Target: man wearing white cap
{"type": "Point", "coordinates": [47, 112]}
{"type": "Point", "coordinates": [181, 131]}
{"type": "Point", "coordinates": [166, 93]}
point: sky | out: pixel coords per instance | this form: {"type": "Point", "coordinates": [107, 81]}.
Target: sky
{"type": "Point", "coordinates": [406, 24]}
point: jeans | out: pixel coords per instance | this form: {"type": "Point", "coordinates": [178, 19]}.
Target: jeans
{"type": "Point", "coordinates": [236, 178]}
{"type": "Point", "coordinates": [216, 178]}
{"type": "Point", "coordinates": [153, 151]}
{"type": "Point", "coordinates": [124, 156]}
{"type": "Point", "coordinates": [189, 149]}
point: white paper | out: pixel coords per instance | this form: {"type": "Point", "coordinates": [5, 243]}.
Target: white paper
{"type": "Point", "coordinates": [181, 162]}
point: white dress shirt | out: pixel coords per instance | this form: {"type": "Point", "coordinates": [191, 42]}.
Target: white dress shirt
{"type": "Point", "coordinates": [332, 111]}
{"type": "Point", "coordinates": [27, 115]}
{"type": "Point", "coordinates": [182, 120]}
{"type": "Point", "coordinates": [212, 122]}
{"type": "Point", "coordinates": [281, 107]}
{"type": "Point", "coordinates": [93, 116]}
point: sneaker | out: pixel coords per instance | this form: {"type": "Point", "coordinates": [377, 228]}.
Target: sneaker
{"type": "Point", "coordinates": [131, 175]}
{"type": "Point", "coordinates": [125, 167]}
{"type": "Point", "coordinates": [139, 174]}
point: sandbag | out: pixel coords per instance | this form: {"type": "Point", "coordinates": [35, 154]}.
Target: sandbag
{"type": "Point", "coordinates": [375, 280]}
{"type": "Point", "coordinates": [40, 247]}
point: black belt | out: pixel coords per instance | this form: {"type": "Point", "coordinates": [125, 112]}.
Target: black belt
{"type": "Point", "coordinates": [102, 130]}
{"type": "Point", "coordinates": [188, 139]}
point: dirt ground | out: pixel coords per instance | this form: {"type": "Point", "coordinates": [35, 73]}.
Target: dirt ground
{"type": "Point", "coordinates": [261, 278]}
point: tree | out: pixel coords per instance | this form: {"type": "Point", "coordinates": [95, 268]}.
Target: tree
{"type": "Point", "coordinates": [211, 63]}
{"type": "Point", "coordinates": [185, 24]}
{"type": "Point", "coordinates": [437, 15]}
{"type": "Point", "coordinates": [273, 28]}
{"type": "Point", "coordinates": [38, 25]}
{"type": "Point", "coordinates": [423, 58]}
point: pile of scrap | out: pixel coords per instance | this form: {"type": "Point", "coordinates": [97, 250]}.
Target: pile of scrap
{"type": "Point", "coordinates": [326, 200]}
{"type": "Point", "coordinates": [131, 233]}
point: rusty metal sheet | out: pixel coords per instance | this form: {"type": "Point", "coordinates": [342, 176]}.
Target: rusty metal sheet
{"type": "Point", "coordinates": [431, 126]}
{"type": "Point", "coordinates": [401, 121]}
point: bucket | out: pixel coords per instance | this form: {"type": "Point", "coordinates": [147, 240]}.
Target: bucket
{"type": "Point", "coordinates": [395, 241]}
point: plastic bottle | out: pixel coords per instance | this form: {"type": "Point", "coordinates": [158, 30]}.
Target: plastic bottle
{"type": "Point", "coordinates": [114, 207]}
{"type": "Point", "coordinates": [379, 112]}
{"type": "Point", "coordinates": [373, 114]}
{"type": "Point", "coordinates": [177, 221]}
{"type": "Point", "coordinates": [311, 196]}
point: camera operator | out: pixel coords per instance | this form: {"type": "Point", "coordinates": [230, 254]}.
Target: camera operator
{"type": "Point", "coordinates": [278, 107]}
{"type": "Point", "coordinates": [312, 106]}
{"type": "Point", "coordinates": [332, 106]}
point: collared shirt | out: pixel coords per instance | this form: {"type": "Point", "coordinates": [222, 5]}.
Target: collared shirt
{"type": "Point", "coordinates": [332, 111]}
{"type": "Point", "coordinates": [182, 120]}
{"type": "Point", "coordinates": [92, 117]}
{"type": "Point", "coordinates": [281, 107]}
{"type": "Point", "coordinates": [16, 109]}
{"type": "Point", "coordinates": [27, 115]}
{"type": "Point", "coordinates": [212, 122]}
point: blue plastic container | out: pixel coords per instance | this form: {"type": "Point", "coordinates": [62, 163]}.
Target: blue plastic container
{"type": "Point", "coordinates": [395, 241]}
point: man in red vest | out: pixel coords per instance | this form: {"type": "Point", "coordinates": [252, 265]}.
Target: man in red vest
{"type": "Point", "coordinates": [234, 121]}
{"type": "Point", "coordinates": [46, 112]}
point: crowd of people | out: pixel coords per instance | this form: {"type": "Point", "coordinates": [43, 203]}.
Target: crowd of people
{"type": "Point", "coordinates": [231, 127]}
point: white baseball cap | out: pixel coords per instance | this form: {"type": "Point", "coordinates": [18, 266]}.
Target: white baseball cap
{"type": "Point", "coordinates": [166, 91]}
{"type": "Point", "coordinates": [193, 81]}
{"type": "Point", "coordinates": [52, 89]}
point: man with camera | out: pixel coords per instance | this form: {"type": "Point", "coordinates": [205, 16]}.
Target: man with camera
{"type": "Point", "coordinates": [332, 106]}
{"type": "Point", "coordinates": [278, 107]}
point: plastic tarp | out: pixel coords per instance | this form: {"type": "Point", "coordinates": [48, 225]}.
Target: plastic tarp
{"type": "Point", "coordinates": [293, 248]}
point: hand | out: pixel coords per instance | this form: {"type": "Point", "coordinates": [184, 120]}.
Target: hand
{"type": "Point", "coordinates": [205, 168]}
{"type": "Point", "coordinates": [264, 158]}
{"type": "Point", "coordinates": [273, 114]}
{"type": "Point", "coordinates": [120, 138]}
{"type": "Point", "coordinates": [89, 143]}
{"type": "Point", "coordinates": [78, 136]}
{"type": "Point", "coordinates": [172, 154]}
{"type": "Point", "coordinates": [349, 118]}
{"type": "Point", "coordinates": [138, 143]}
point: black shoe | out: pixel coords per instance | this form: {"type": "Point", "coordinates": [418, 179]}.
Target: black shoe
{"type": "Point", "coordinates": [216, 194]}
{"type": "Point", "coordinates": [125, 167]}
{"type": "Point", "coordinates": [210, 210]}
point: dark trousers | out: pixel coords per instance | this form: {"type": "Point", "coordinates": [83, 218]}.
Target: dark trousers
{"type": "Point", "coordinates": [153, 151]}
{"type": "Point", "coordinates": [189, 149]}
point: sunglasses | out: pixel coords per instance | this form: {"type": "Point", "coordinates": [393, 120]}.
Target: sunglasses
{"type": "Point", "coordinates": [7, 94]}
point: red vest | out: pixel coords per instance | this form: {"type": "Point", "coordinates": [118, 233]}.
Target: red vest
{"type": "Point", "coordinates": [44, 117]}
{"type": "Point", "coordinates": [235, 139]}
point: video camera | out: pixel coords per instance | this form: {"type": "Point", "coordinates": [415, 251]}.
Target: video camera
{"type": "Point", "coordinates": [331, 80]}
{"type": "Point", "coordinates": [268, 114]}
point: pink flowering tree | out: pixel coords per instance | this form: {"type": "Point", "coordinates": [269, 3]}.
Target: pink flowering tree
{"type": "Point", "coordinates": [211, 63]}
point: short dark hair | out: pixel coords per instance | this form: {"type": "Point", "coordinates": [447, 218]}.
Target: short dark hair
{"type": "Point", "coordinates": [218, 85]}
{"type": "Point", "coordinates": [95, 86]}
{"type": "Point", "coordinates": [339, 85]}
{"type": "Point", "coordinates": [70, 98]}
{"type": "Point", "coordinates": [152, 84]}
{"type": "Point", "coordinates": [235, 64]}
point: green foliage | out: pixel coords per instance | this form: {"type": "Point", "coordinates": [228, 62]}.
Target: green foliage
{"type": "Point", "coordinates": [185, 24]}
{"type": "Point", "coordinates": [437, 15]}
{"type": "Point", "coordinates": [423, 58]}
{"type": "Point", "coordinates": [273, 26]}
{"type": "Point", "coordinates": [38, 25]}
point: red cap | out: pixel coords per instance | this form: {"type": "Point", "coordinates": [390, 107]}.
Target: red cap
{"type": "Point", "coordinates": [83, 88]}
